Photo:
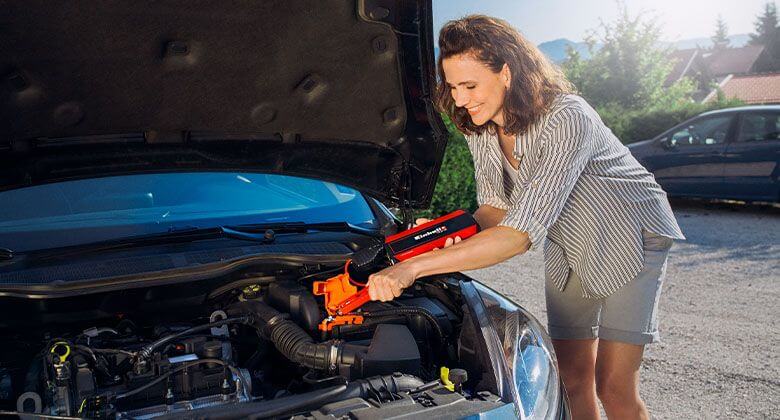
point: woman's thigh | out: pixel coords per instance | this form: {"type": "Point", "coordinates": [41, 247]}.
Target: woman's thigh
{"type": "Point", "coordinates": [630, 315]}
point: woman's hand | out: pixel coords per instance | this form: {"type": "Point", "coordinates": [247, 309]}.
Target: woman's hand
{"type": "Point", "coordinates": [390, 282]}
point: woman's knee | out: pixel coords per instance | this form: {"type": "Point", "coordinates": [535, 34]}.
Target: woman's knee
{"type": "Point", "coordinates": [615, 388]}
{"type": "Point", "coordinates": [578, 376]}
{"type": "Point", "coordinates": [576, 363]}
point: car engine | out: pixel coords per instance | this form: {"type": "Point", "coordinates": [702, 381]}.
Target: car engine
{"type": "Point", "coordinates": [252, 345]}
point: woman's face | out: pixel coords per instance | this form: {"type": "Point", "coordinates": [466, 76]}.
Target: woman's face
{"type": "Point", "coordinates": [477, 88]}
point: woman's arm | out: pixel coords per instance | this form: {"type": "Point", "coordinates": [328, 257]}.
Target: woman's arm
{"type": "Point", "coordinates": [488, 216]}
{"type": "Point", "coordinates": [488, 247]}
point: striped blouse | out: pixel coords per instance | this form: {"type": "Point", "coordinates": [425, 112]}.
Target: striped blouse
{"type": "Point", "coordinates": [582, 190]}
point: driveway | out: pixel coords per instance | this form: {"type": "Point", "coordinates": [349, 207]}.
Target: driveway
{"type": "Point", "coordinates": [719, 313]}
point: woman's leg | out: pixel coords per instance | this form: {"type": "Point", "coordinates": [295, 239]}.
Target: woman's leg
{"type": "Point", "coordinates": [572, 322]}
{"type": "Point", "coordinates": [629, 321]}
{"type": "Point", "coordinates": [577, 365]}
{"type": "Point", "coordinates": [617, 380]}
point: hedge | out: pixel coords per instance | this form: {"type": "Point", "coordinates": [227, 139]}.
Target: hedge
{"type": "Point", "coordinates": [632, 126]}
{"type": "Point", "coordinates": [455, 188]}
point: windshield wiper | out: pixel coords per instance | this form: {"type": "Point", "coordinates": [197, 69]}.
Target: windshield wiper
{"type": "Point", "coordinates": [261, 232]}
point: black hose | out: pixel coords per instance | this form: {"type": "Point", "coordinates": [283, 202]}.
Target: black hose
{"type": "Point", "coordinates": [383, 387]}
{"type": "Point", "coordinates": [290, 339]}
{"type": "Point", "coordinates": [409, 311]}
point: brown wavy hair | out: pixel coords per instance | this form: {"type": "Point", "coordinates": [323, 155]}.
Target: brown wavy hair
{"type": "Point", "coordinates": [534, 85]}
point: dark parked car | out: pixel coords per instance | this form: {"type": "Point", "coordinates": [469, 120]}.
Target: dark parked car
{"type": "Point", "coordinates": [726, 154]}
{"type": "Point", "coordinates": [175, 175]}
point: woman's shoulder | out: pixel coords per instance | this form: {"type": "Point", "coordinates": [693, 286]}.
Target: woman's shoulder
{"type": "Point", "coordinates": [570, 102]}
{"type": "Point", "coordinates": [569, 114]}
{"type": "Point", "coordinates": [570, 107]}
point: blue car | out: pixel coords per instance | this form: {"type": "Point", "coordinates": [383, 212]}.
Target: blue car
{"type": "Point", "coordinates": [175, 181]}
{"type": "Point", "coordinates": [726, 154]}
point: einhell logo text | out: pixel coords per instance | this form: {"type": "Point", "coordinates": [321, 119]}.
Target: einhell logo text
{"type": "Point", "coordinates": [439, 229]}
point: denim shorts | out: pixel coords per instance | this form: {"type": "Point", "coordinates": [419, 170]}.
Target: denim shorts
{"type": "Point", "coordinates": [629, 315]}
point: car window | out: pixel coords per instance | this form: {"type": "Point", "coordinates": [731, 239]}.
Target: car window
{"type": "Point", "coordinates": [759, 127]}
{"type": "Point", "coordinates": [702, 132]}
{"type": "Point", "coordinates": [73, 212]}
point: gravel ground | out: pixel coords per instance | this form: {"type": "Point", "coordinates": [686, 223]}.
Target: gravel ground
{"type": "Point", "coordinates": [718, 313]}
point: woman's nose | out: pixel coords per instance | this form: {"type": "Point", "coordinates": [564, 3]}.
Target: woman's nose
{"type": "Point", "coordinates": [461, 99]}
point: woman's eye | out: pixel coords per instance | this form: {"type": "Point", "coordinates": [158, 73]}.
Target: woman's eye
{"type": "Point", "coordinates": [470, 87]}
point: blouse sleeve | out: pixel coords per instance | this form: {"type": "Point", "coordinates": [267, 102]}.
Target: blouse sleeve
{"type": "Point", "coordinates": [489, 181]}
{"type": "Point", "coordinates": [564, 151]}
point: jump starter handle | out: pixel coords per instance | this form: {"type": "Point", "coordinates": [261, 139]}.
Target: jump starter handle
{"type": "Point", "coordinates": [418, 240]}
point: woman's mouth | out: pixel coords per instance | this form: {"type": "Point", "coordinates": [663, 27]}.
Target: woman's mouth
{"type": "Point", "coordinates": [474, 110]}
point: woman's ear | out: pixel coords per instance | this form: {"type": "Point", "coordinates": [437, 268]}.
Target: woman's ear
{"type": "Point", "coordinates": [506, 75]}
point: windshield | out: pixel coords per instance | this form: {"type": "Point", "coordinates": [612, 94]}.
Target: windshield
{"type": "Point", "coordinates": [77, 212]}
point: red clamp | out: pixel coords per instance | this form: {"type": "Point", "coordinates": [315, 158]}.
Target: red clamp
{"type": "Point", "coordinates": [337, 290]}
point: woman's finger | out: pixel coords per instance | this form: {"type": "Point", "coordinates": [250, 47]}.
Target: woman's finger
{"type": "Point", "coordinates": [373, 289]}
{"type": "Point", "coordinates": [386, 294]}
{"type": "Point", "coordinates": [383, 291]}
{"type": "Point", "coordinates": [421, 220]}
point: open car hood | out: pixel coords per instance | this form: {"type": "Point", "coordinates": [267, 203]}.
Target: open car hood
{"type": "Point", "coordinates": [334, 90]}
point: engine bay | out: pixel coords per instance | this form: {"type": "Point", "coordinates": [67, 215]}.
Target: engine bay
{"type": "Point", "coordinates": [248, 346]}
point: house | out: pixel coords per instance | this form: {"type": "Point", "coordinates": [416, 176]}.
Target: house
{"type": "Point", "coordinates": [746, 73]}
{"type": "Point", "coordinates": [713, 64]}
{"type": "Point", "coordinates": [761, 88]}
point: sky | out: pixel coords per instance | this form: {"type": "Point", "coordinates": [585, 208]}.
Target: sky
{"type": "Point", "coordinates": [546, 20]}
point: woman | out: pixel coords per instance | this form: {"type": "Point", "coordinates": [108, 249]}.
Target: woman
{"type": "Point", "coordinates": [548, 168]}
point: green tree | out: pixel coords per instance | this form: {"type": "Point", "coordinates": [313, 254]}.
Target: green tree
{"type": "Point", "coordinates": [765, 25]}
{"type": "Point", "coordinates": [629, 70]}
{"type": "Point", "coordinates": [720, 39]}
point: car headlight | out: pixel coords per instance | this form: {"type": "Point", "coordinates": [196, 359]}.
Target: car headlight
{"type": "Point", "coordinates": [528, 354]}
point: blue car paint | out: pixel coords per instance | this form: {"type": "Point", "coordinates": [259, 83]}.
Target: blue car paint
{"type": "Point", "coordinates": [90, 210]}
{"type": "Point", "coordinates": [733, 169]}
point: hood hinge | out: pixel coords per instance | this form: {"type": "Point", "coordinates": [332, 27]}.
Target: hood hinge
{"type": "Point", "coordinates": [407, 213]}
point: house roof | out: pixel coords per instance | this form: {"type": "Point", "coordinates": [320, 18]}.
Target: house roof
{"type": "Point", "coordinates": [761, 88]}
{"type": "Point", "coordinates": [716, 64]}
{"type": "Point", "coordinates": [732, 60]}
{"type": "Point", "coordinates": [682, 59]}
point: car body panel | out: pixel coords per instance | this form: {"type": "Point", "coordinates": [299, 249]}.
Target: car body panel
{"type": "Point", "coordinates": [752, 159]}
{"type": "Point", "coordinates": [332, 90]}
{"type": "Point", "coordinates": [713, 164]}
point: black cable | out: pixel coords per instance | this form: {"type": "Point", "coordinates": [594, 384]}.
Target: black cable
{"type": "Point", "coordinates": [166, 375]}
{"type": "Point", "coordinates": [319, 273]}
{"type": "Point", "coordinates": [147, 350]}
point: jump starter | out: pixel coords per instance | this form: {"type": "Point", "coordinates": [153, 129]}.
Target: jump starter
{"type": "Point", "coordinates": [341, 294]}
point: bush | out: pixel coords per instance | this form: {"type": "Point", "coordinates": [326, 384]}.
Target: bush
{"type": "Point", "coordinates": [455, 188]}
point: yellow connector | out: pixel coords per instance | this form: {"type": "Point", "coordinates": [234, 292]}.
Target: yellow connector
{"type": "Point", "coordinates": [445, 379]}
